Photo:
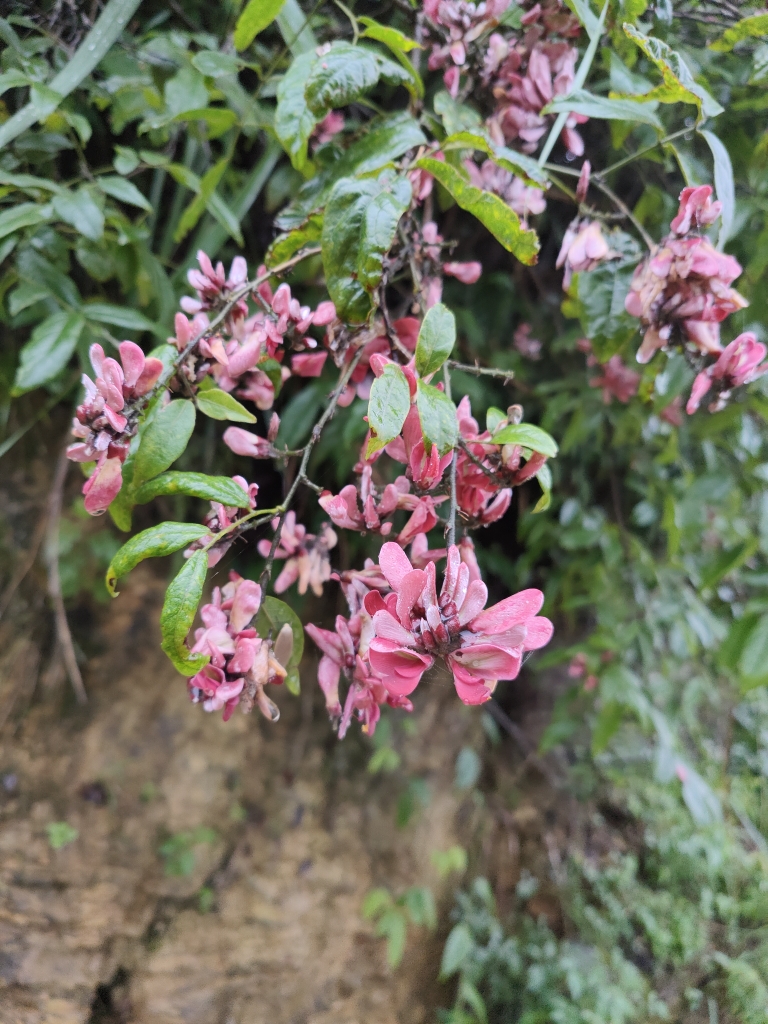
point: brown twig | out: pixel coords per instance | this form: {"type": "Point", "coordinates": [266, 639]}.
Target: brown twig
{"type": "Point", "coordinates": [301, 476]}
{"type": "Point", "coordinates": [54, 580]}
{"type": "Point", "coordinates": [481, 371]}
{"type": "Point", "coordinates": [25, 566]}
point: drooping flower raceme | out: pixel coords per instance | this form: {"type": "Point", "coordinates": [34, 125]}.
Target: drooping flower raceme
{"type": "Point", "coordinates": [241, 662]}
{"type": "Point", "coordinates": [685, 285]}
{"type": "Point", "coordinates": [107, 418]}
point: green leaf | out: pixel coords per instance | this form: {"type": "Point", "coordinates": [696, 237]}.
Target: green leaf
{"type": "Point", "coordinates": [393, 926]}
{"type": "Point", "coordinates": [123, 190]}
{"type": "Point", "coordinates": [399, 44]}
{"type": "Point", "coordinates": [678, 84]}
{"type": "Point", "coordinates": [391, 37]}
{"type": "Point", "coordinates": [601, 293]}
{"type": "Point", "coordinates": [529, 436]}
{"type": "Point", "coordinates": [458, 946]}
{"type": "Point", "coordinates": [375, 902]}
{"type": "Point", "coordinates": [214, 64]}
{"type": "Point", "coordinates": [60, 834]}
{"type": "Point", "coordinates": [294, 120]}
{"type": "Point", "coordinates": [579, 101]}
{"type": "Point", "coordinates": [164, 440]}
{"type": "Point", "coordinates": [382, 143]}
{"type": "Point", "coordinates": [456, 117]}
{"type": "Point", "coordinates": [345, 72]}
{"type": "Point", "coordinates": [34, 268]}
{"type": "Point", "coordinates": [523, 166]}
{"type": "Point", "coordinates": [437, 336]}
{"type": "Point", "coordinates": [500, 219]}
{"type": "Point", "coordinates": [727, 561]}
{"type": "Point", "coordinates": [218, 120]}
{"type": "Point", "coordinates": [273, 615]}
{"type": "Point", "coordinates": [257, 16]}
{"type": "Point", "coordinates": [388, 406]}
{"type": "Point", "coordinates": [438, 417]}
{"type": "Point", "coordinates": [81, 211]}
{"type": "Point", "coordinates": [611, 716]}
{"type": "Point", "coordinates": [377, 233]}
{"type": "Point", "coordinates": [24, 215]}
{"type": "Point", "coordinates": [121, 316]}
{"type": "Point", "coordinates": [197, 485]}
{"type": "Point", "coordinates": [220, 405]}
{"type": "Point", "coordinates": [468, 768]}
{"type": "Point", "coordinates": [360, 220]}
{"type": "Point", "coordinates": [26, 295]}
{"type": "Point", "coordinates": [544, 476]}
{"type": "Point", "coordinates": [126, 159]}
{"type": "Point", "coordinates": [48, 350]}
{"type": "Point", "coordinates": [178, 614]}
{"type": "Point", "coordinates": [732, 647]}
{"type": "Point", "coordinates": [153, 543]}
{"type": "Point", "coordinates": [748, 28]}
{"type": "Point", "coordinates": [287, 245]}
{"type": "Point", "coordinates": [195, 210]}
{"type": "Point", "coordinates": [754, 657]}
{"type": "Point", "coordinates": [724, 185]}
{"type": "Point", "coordinates": [585, 15]}
{"type": "Point", "coordinates": [186, 90]}
{"type": "Point", "coordinates": [420, 904]}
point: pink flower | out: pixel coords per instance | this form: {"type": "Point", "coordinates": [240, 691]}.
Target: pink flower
{"type": "Point", "coordinates": [214, 289]}
{"type": "Point", "coordinates": [107, 418]}
{"type": "Point", "coordinates": [241, 663]}
{"type": "Point", "coordinates": [583, 249]}
{"type": "Point", "coordinates": [617, 381]}
{"type": "Point", "coordinates": [528, 347]}
{"type": "Point", "coordinates": [426, 470]}
{"type": "Point", "coordinates": [738, 364]}
{"type": "Point", "coordinates": [243, 442]}
{"type": "Point", "coordinates": [467, 273]}
{"type": "Point", "coordinates": [682, 291]}
{"type": "Point", "coordinates": [413, 625]}
{"type": "Point", "coordinates": [306, 556]}
{"type": "Point", "coordinates": [696, 209]}
{"type": "Point", "coordinates": [328, 128]}
{"type": "Point", "coordinates": [308, 364]}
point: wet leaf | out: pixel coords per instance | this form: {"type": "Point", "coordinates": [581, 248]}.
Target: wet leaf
{"type": "Point", "coordinates": [438, 417]}
{"type": "Point", "coordinates": [437, 336]}
{"type": "Point", "coordinates": [529, 436]}
{"type": "Point", "coordinates": [220, 405]}
{"type": "Point", "coordinates": [178, 614]}
{"type": "Point", "coordinates": [152, 543]}
{"type": "Point", "coordinates": [196, 485]}
{"type": "Point", "coordinates": [164, 439]}
{"type": "Point", "coordinates": [388, 406]}
{"type": "Point", "coordinates": [500, 219]}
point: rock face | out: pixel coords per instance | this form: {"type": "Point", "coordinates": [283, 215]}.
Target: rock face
{"type": "Point", "coordinates": [277, 833]}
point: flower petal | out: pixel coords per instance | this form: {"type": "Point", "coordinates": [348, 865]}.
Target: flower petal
{"type": "Point", "coordinates": [509, 612]}
{"type": "Point", "coordinates": [394, 563]}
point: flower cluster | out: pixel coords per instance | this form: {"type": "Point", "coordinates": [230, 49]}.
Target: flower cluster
{"type": "Point", "coordinates": [616, 379]}
{"type": "Point", "coordinates": [241, 662]}
{"type": "Point", "coordinates": [583, 248]}
{"type": "Point", "coordinates": [399, 630]}
{"type": "Point", "coordinates": [107, 418]}
{"type": "Point", "coordinates": [683, 292]}
{"type": "Point", "coordinates": [306, 556]}
{"type": "Point", "coordinates": [458, 24]}
{"type": "Point", "coordinates": [739, 363]}
{"type": "Point", "coordinates": [246, 355]}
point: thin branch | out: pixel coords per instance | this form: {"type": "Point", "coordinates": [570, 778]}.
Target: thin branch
{"type": "Point", "coordinates": [301, 476]}
{"type": "Point", "coordinates": [480, 371]}
{"type": "Point", "coordinates": [640, 153]}
{"type": "Point", "coordinates": [621, 205]}
{"type": "Point", "coordinates": [25, 566]}
{"type": "Point", "coordinates": [451, 538]}
{"type": "Point", "coordinates": [473, 458]}
{"type": "Point", "coordinates": [227, 308]}
{"type": "Point", "coordinates": [54, 579]}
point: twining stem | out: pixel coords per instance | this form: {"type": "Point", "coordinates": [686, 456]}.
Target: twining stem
{"type": "Point", "coordinates": [301, 476]}
{"type": "Point", "coordinates": [452, 471]}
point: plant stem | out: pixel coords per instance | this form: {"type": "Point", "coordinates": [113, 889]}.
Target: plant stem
{"type": "Point", "coordinates": [641, 152]}
{"type": "Point", "coordinates": [301, 476]}
{"type": "Point", "coordinates": [480, 371]}
{"type": "Point", "coordinates": [452, 472]}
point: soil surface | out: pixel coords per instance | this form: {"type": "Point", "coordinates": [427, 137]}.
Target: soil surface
{"type": "Point", "coordinates": [253, 913]}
